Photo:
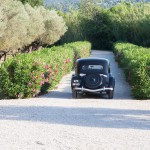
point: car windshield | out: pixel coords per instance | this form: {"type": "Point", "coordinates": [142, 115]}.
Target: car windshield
{"type": "Point", "coordinates": [92, 67]}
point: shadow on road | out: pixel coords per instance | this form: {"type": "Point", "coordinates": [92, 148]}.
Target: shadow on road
{"type": "Point", "coordinates": [85, 117]}
{"type": "Point", "coordinates": [68, 95]}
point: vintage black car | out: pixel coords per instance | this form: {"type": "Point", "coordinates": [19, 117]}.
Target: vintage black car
{"type": "Point", "coordinates": [92, 75]}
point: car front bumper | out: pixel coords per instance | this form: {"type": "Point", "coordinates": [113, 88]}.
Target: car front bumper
{"type": "Point", "coordinates": [93, 91]}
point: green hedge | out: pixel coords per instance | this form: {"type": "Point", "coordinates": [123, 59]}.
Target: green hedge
{"type": "Point", "coordinates": [28, 75]}
{"type": "Point", "coordinates": [136, 62]}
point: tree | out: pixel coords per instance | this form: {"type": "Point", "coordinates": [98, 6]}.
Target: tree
{"type": "Point", "coordinates": [16, 23]}
{"type": "Point", "coordinates": [25, 27]}
{"type": "Point", "coordinates": [55, 26]}
{"type": "Point", "coordinates": [33, 2]}
{"type": "Point", "coordinates": [36, 25]}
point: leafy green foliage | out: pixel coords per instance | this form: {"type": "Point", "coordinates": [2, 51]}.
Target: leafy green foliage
{"type": "Point", "coordinates": [136, 62]}
{"type": "Point", "coordinates": [28, 75]}
{"type": "Point", "coordinates": [89, 22]}
{"type": "Point", "coordinates": [102, 27]}
{"type": "Point", "coordinates": [131, 22]}
{"type": "Point", "coordinates": [96, 28]}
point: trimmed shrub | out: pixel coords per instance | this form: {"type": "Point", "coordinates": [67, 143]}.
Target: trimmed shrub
{"type": "Point", "coordinates": [28, 75]}
{"type": "Point", "coordinates": [136, 62]}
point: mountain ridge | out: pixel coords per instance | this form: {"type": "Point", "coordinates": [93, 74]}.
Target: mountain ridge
{"type": "Point", "coordinates": [103, 2]}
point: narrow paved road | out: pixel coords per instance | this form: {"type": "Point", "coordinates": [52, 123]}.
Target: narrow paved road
{"type": "Point", "coordinates": [57, 122]}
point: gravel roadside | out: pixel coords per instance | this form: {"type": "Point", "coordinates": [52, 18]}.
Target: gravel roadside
{"type": "Point", "coordinates": [55, 121]}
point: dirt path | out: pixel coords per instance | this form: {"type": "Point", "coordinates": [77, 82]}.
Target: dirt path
{"type": "Point", "coordinates": [57, 122]}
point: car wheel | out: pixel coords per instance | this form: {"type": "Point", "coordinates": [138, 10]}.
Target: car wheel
{"type": "Point", "coordinates": [111, 94]}
{"type": "Point", "coordinates": [111, 85]}
{"type": "Point", "coordinates": [74, 94]}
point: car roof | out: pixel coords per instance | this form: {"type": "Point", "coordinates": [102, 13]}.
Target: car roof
{"type": "Point", "coordinates": [93, 59]}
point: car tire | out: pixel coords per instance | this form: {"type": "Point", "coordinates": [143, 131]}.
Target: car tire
{"type": "Point", "coordinates": [74, 94]}
{"type": "Point", "coordinates": [111, 94]}
{"type": "Point", "coordinates": [111, 85]}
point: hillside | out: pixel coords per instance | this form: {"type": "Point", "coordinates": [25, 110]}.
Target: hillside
{"type": "Point", "coordinates": [105, 3]}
